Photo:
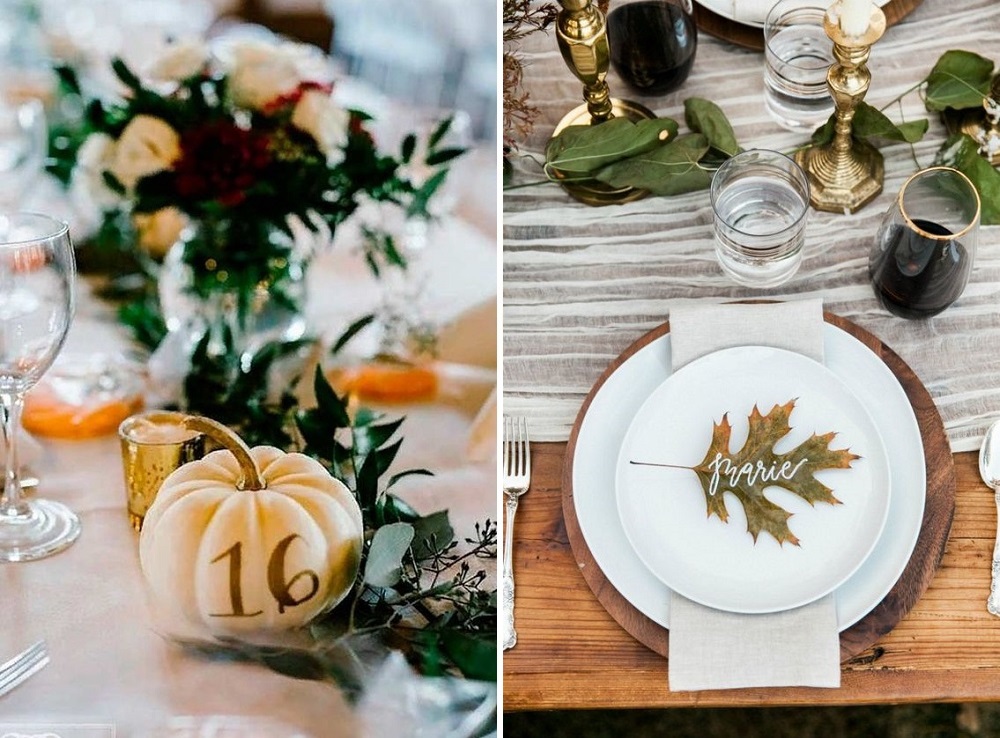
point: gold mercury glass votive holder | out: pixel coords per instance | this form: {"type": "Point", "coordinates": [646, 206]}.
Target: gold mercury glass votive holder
{"type": "Point", "coordinates": [153, 445]}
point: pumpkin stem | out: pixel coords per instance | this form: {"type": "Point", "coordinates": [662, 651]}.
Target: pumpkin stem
{"type": "Point", "coordinates": [251, 478]}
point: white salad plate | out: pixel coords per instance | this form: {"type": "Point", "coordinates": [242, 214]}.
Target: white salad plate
{"type": "Point", "coordinates": [663, 502]}
{"type": "Point", "coordinates": [727, 9]}
{"type": "Point", "coordinates": [615, 405]}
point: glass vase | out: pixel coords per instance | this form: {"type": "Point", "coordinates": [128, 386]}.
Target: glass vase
{"type": "Point", "coordinates": [242, 288]}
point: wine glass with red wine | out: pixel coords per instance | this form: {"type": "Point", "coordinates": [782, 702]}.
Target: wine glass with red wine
{"type": "Point", "coordinates": [924, 250]}
{"type": "Point", "coordinates": [652, 43]}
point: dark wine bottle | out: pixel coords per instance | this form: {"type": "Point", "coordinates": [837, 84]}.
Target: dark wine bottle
{"type": "Point", "coordinates": [652, 45]}
{"type": "Point", "coordinates": [914, 275]}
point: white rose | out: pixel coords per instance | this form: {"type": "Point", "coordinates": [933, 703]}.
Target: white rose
{"type": "Point", "coordinates": [146, 146]}
{"type": "Point", "coordinates": [318, 115]}
{"type": "Point", "coordinates": [92, 160]}
{"type": "Point", "coordinates": [260, 72]}
{"type": "Point", "coordinates": [159, 231]}
{"type": "Point", "coordinates": [179, 61]}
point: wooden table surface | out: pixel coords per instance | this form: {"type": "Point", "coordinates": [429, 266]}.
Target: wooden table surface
{"type": "Point", "coordinates": [571, 654]}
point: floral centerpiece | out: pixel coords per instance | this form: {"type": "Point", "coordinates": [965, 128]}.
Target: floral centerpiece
{"type": "Point", "coordinates": [237, 149]}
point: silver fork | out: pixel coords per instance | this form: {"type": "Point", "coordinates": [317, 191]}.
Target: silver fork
{"type": "Point", "coordinates": [22, 666]}
{"type": "Point", "coordinates": [516, 479]}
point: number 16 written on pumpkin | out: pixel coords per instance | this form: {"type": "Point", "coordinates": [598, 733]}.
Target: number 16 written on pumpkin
{"type": "Point", "coordinates": [279, 586]}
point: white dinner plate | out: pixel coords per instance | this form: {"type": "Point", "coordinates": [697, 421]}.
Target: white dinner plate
{"type": "Point", "coordinates": [623, 393]}
{"type": "Point", "coordinates": [719, 563]}
{"type": "Point", "coordinates": [727, 9]}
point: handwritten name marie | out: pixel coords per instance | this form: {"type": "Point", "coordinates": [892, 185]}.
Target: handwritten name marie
{"type": "Point", "coordinates": [723, 466]}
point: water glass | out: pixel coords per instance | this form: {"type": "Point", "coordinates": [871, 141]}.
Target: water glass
{"type": "Point", "coordinates": [797, 56]}
{"type": "Point", "coordinates": [652, 43]}
{"type": "Point", "coordinates": [760, 200]}
{"type": "Point", "coordinates": [926, 245]}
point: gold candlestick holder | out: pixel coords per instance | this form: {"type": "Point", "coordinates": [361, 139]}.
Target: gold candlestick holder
{"type": "Point", "coordinates": [846, 174]}
{"type": "Point", "coordinates": [583, 40]}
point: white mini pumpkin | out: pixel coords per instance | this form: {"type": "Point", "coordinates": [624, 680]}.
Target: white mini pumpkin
{"type": "Point", "coordinates": [250, 539]}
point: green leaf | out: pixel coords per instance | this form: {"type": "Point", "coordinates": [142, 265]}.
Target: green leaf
{"type": "Point", "coordinates": [582, 150]}
{"type": "Point", "coordinates": [960, 79]}
{"type": "Point", "coordinates": [669, 170]}
{"type": "Point", "coordinates": [705, 117]}
{"type": "Point", "coordinates": [475, 654]}
{"type": "Point", "coordinates": [352, 330]}
{"type": "Point", "coordinates": [125, 74]}
{"type": "Point", "coordinates": [409, 145]}
{"type": "Point", "coordinates": [432, 534]}
{"type": "Point", "coordinates": [443, 155]}
{"type": "Point", "coordinates": [962, 152]}
{"type": "Point", "coordinates": [439, 133]}
{"type": "Point", "coordinates": [329, 404]}
{"type": "Point", "coordinates": [408, 473]}
{"type": "Point", "coordinates": [385, 557]}
{"type": "Point", "coordinates": [870, 123]}
{"type": "Point", "coordinates": [825, 133]}
{"type": "Point", "coordinates": [371, 437]}
{"type": "Point", "coordinates": [395, 510]}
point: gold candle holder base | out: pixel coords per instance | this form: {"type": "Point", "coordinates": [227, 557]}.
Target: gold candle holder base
{"type": "Point", "coordinates": [583, 40]}
{"type": "Point", "coordinates": [592, 192]}
{"type": "Point", "coordinates": [842, 184]}
{"type": "Point", "coordinates": [845, 174]}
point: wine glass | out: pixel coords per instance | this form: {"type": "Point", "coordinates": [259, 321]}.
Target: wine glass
{"type": "Point", "coordinates": [652, 43]}
{"type": "Point", "coordinates": [925, 247]}
{"type": "Point", "coordinates": [37, 271]}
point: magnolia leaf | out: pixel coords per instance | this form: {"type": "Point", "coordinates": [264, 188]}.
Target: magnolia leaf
{"type": "Point", "coordinates": [960, 79]}
{"type": "Point", "coordinates": [581, 150]}
{"type": "Point", "coordinates": [962, 152]}
{"type": "Point", "coordinates": [705, 117]}
{"type": "Point", "coordinates": [669, 170]}
{"type": "Point", "coordinates": [385, 557]}
{"type": "Point", "coordinates": [722, 471]}
{"type": "Point", "coordinates": [870, 124]}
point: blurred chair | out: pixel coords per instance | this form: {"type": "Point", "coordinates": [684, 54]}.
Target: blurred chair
{"type": "Point", "coordinates": [430, 54]}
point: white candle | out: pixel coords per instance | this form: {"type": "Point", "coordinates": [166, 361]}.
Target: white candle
{"type": "Point", "coordinates": [854, 16]}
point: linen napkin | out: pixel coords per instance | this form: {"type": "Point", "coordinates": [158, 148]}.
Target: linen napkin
{"type": "Point", "coordinates": [711, 649]}
{"type": "Point", "coordinates": [471, 340]}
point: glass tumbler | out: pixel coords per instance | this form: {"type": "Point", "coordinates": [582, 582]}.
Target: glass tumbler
{"type": "Point", "coordinates": [926, 245]}
{"type": "Point", "coordinates": [652, 43]}
{"type": "Point", "coordinates": [760, 200]}
{"type": "Point", "coordinates": [797, 56]}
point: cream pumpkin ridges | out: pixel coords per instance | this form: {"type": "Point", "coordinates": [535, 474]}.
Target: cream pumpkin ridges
{"type": "Point", "coordinates": [238, 561]}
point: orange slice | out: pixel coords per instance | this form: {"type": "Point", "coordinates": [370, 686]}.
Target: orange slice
{"type": "Point", "coordinates": [46, 415]}
{"type": "Point", "coordinates": [387, 382]}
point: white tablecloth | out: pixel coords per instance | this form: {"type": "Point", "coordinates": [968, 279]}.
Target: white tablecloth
{"type": "Point", "coordinates": [108, 663]}
{"type": "Point", "coordinates": [580, 283]}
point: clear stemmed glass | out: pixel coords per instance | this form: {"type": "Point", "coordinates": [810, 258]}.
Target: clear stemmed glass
{"type": "Point", "coordinates": [37, 272]}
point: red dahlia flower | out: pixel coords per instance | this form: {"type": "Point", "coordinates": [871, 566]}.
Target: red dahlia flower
{"type": "Point", "coordinates": [220, 161]}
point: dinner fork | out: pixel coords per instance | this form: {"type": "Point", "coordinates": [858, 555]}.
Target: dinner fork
{"type": "Point", "coordinates": [516, 479]}
{"type": "Point", "coordinates": [22, 666]}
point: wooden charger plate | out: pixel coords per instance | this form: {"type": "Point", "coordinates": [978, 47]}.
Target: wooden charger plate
{"type": "Point", "coordinates": [753, 38]}
{"type": "Point", "coordinates": [938, 512]}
